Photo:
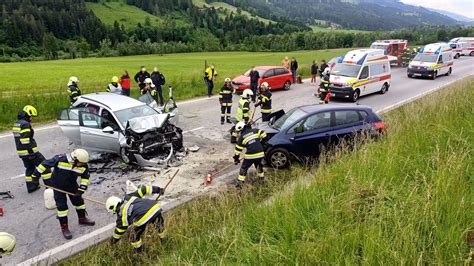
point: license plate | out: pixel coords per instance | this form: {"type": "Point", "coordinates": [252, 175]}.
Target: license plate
{"type": "Point", "coordinates": [416, 74]}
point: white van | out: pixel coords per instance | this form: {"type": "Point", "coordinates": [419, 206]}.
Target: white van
{"type": "Point", "coordinates": [432, 61]}
{"type": "Point", "coordinates": [462, 46]}
{"type": "Point", "coordinates": [361, 72]}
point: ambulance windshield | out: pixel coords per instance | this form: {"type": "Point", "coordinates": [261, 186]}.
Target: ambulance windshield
{"type": "Point", "coordinates": [346, 70]}
{"type": "Point", "coordinates": [430, 58]}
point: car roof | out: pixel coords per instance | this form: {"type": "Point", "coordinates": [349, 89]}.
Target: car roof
{"type": "Point", "coordinates": [329, 107]}
{"type": "Point", "coordinates": [268, 67]}
{"type": "Point", "coordinates": [114, 102]}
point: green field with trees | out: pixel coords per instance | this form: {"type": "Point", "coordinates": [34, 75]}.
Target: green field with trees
{"type": "Point", "coordinates": [404, 199]}
{"type": "Point", "coordinates": [43, 83]}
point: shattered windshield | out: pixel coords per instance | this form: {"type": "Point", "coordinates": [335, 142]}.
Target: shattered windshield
{"type": "Point", "coordinates": [138, 111]}
{"type": "Point", "coordinates": [289, 118]}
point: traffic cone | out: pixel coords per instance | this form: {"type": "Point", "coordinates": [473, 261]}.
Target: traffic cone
{"type": "Point", "coordinates": [208, 179]}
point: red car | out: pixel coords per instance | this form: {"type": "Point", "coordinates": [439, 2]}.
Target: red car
{"type": "Point", "coordinates": [277, 77]}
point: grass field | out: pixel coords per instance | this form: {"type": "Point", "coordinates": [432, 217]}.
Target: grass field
{"type": "Point", "coordinates": [320, 29]}
{"type": "Point", "coordinates": [222, 6]}
{"type": "Point", "coordinates": [405, 199]}
{"type": "Point", "coordinates": [124, 14]}
{"type": "Point", "coordinates": [43, 83]}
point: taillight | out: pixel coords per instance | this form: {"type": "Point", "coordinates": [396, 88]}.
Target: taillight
{"type": "Point", "coordinates": [379, 125]}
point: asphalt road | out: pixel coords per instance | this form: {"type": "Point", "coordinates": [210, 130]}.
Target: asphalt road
{"type": "Point", "coordinates": [36, 228]}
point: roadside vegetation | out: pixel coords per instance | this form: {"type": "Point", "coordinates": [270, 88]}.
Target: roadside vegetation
{"type": "Point", "coordinates": [43, 83]}
{"type": "Point", "coordinates": [403, 199]}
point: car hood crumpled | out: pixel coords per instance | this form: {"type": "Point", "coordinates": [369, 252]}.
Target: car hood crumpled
{"type": "Point", "coordinates": [146, 123]}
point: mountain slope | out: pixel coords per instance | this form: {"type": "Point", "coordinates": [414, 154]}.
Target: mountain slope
{"type": "Point", "coordinates": [452, 15]}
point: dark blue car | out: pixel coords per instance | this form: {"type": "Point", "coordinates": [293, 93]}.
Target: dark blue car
{"type": "Point", "coordinates": [303, 131]}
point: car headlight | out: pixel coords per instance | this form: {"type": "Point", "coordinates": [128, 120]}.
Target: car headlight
{"type": "Point", "coordinates": [410, 66]}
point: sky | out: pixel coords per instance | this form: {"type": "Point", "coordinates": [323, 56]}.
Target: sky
{"type": "Point", "coordinates": [463, 7]}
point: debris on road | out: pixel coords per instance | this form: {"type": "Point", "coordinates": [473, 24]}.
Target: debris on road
{"type": "Point", "coordinates": [6, 195]}
{"type": "Point", "coordinates": [194, 148]}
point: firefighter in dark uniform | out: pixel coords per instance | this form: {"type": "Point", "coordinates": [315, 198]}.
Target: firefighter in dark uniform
{"type": "Point", "coordinates": [140, 78]}
{"type": "Point", "coordinates": [137, 211]}
{"type": "Point", "coordinates": [73, 90]}
{"type": "Point", "coordinates": [252, 140]}
{"type": "Point", "coordinates": [67, 168]}
{"type": "Point", "coordinates": [265, 101]}
{"type": "Point", "coordinates": [27, 150]}
{"type": "Point", "coordinates": [324, 87]}
{"type": "Point", "coordinates": [243, 112]}
{"type": "Point", "coordinates": [225, 99]}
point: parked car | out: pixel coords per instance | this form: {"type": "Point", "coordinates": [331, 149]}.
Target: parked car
{"type": "Point", "coordinates": [304, 130]}
{"type": "Point", "coordinates": [110, 123]}
{"type": "Point", "coordinates": [277, 77]}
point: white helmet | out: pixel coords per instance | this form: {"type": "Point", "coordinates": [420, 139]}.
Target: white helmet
{"type": "Point", "coordinates": [227, 80]}
{"type": "Point", "coordinates": [7, 243]}
{"type": "Point", "coordinates": [111, 204]}
{"type": "Point", "coordinates": [247, 93]}
{"type": "Point", "coordinates": [264, 85]}
{"type": "Point", "coordinates": [73, 79]}
{"type": "Point", "coordinates": [326, 71]}
{"type": "Point", "coordinates": [239, 126]}
{"type": "Point", "coordinates": [80, 155]}
{"type": "Point", "coordinates": [148, 80]}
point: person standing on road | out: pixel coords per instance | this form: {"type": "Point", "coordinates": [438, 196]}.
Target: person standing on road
{"type": "Point", "coordinates": [159, 80]}
{"type": "Point", "coordinates": [294, 68]}
{"type": "Point", "coordinates": [285, 63]}
{"type": "Point", "coordinates": [114, 86]}
{"type": "Point", "coordinates": [265, 101]}
{"type": "Point", "coordinates": [225, 99]}
{"type": "Point", "coordinates": [125, 83]}
{"type": "Point", "coordinates": [133, 209]}
{"type": "Point", "coordinates": [140, 78]}
{"type": "Point", "coordinates": [322, 68]}
{"type": "Point", "coordinates": [251, 140]}
{"type": "Point", "coordinates": [73, 90]}
{"type": "Point", "coordinates": [254, 77]}
{"type": "Point", "coordinates": [243, 113]}
{"type": "Point", "coordinates": [67, 168]}
{"type": "Point", "coordinates": [27, 149]}
{"type": "Point", "coordinates": [210, 75]}
{"type": "Point", "coordinates": [314, 71]}
{"type": "Point", "coordinates": [324, 93]}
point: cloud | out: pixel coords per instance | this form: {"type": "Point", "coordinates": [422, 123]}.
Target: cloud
{"type": "Point", "coordinates": [463, 7]}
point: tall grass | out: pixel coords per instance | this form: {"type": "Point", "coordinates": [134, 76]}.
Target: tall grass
{"type": "Point", "coordinates": [404, 199]}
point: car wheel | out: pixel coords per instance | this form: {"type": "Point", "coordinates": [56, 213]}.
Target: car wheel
{"type": "Point", "coordinates": [287, 85]}
{"type": "Point", "coordinates": [410, 75]}
{"type": "Point", "coordinates": [355, 96]}
{"type": "Point", "coordinates": [279, 158]}
{"type": "Point", "coordinates": [456, 56]}
{"type": "Point", "coordinates": [449, 72]}
{"type": "Point", "coordinates": [384, 88]}
{"type": "Point", "coordinates": [125, 155]}
{"type": "Point", "coordinates": [471, 53]}
{"type": "Point", "coordinates": [435, 75]}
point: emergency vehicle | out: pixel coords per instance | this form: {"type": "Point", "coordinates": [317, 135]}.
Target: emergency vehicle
{"type": "Point", "coordinates": [361, 72]}
{"type": "Point", "coordinates": [432, 61]}
{"type": "Point", "coordinates": [462, 46]}
{"type": "Point", "coordinates": [392, 48]}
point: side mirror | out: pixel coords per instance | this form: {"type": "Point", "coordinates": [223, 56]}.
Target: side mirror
{"type": "Point", "coordinates": [272, 120]}
{"type": "Point", "coordinates": [108, 129]}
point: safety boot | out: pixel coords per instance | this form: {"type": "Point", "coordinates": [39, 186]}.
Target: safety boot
{"type": "Point", "coordinates": [83, 219]}
{"type": "Point", "coordinates": [228, 121]}
{"type": "Point", "coordinates": [66, 233]}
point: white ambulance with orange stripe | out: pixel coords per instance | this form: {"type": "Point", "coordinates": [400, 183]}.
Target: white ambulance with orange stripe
{"type": "Point", "coordinates": [433, 60]}
{"type": "Point", "coordinates": [361, 72]}
{"type": "Point", "coordinates": [462, 46]}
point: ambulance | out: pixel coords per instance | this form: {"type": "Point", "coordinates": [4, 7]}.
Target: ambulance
{"type": "Point", "coordinates": [361, 72]}
{"type": "Point", "coordinates": [462, 46]}
{"type": "Point", "coordinates": [433, 60]}
{"type": "Point", "coordinates": [392, 48]}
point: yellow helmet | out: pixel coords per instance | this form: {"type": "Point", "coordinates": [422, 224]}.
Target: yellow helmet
{"type": "Point", "coordinates": [30, 110]}
{"type": "Point", "coordinates": [7, 243]}
{"type": "Point", "coordinates": [115, 79]}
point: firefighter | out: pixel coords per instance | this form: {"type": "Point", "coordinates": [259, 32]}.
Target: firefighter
{"type": "Point", "coordinates": [324, 87]}
{"type": "Point", "coordinates": [265, 101]}
{"type": "Point", "coordinates": [209, 76]}
{"type": "Point", "coordinates": [140, 212]}
{"type": "Point", "coordinates": [67, 168]}
{"type": "Point", "coordinates": [73, 90]}
{"type": "Point", "coordinates": [114, 86]}
{"type": "Point", "coordinates": [148, 86]}
{"type": "Point", "coordinates": [252, 140]}
{"type": "Point", "coordinates": [243, 112]}
{"type": "Point", "coordinates": [225, 99]}
{"type": "Point", "coordinates": [7, 243]}
{"type": "Point", "coordinates": [140, 78]}
{"type": "Point", "coordinates": [27, 149]}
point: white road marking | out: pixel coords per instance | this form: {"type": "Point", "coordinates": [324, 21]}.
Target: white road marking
{"type": "Point", "coordinates": [192, 130]}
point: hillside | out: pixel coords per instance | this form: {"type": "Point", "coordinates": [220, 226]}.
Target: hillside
{"type": "Point", "coordinates": [351, 14]}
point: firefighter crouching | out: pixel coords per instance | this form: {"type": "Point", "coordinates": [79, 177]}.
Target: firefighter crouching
{"type": "Point", "coordinates": [324, 93]}
{"type": "Point", "coordinates": [137, 211]}
{"type": "Point", "coordinates": [27, 149]}
{"type": "Point", "coordinates": [67, 168]}
{"type": "Point", "coordinates": [265, 101]}
{"type": "Point", "coordinates": [225, 99]}
{"type": "Point", "coordinates": [243, 112]}
{"type": "Point", "coordinates": [73, 89]}
{"type": "Point", "coordinates": [251, 140]}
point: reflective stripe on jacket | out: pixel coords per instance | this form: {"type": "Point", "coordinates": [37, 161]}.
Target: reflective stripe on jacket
{"type": "Point", "coordinates": [24, 136]}
{"type": "Point", "coordinates": [225, 95]}
{"type": "Point", "coordinates": [243, 112]}
{"type": "Point", "coordinates": [251, 140]}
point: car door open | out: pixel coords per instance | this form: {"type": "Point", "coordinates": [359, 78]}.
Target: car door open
{"type": "Point", "coordinates": [98, 133]}
{"type": "Point", "coordinates": [68, 121]}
